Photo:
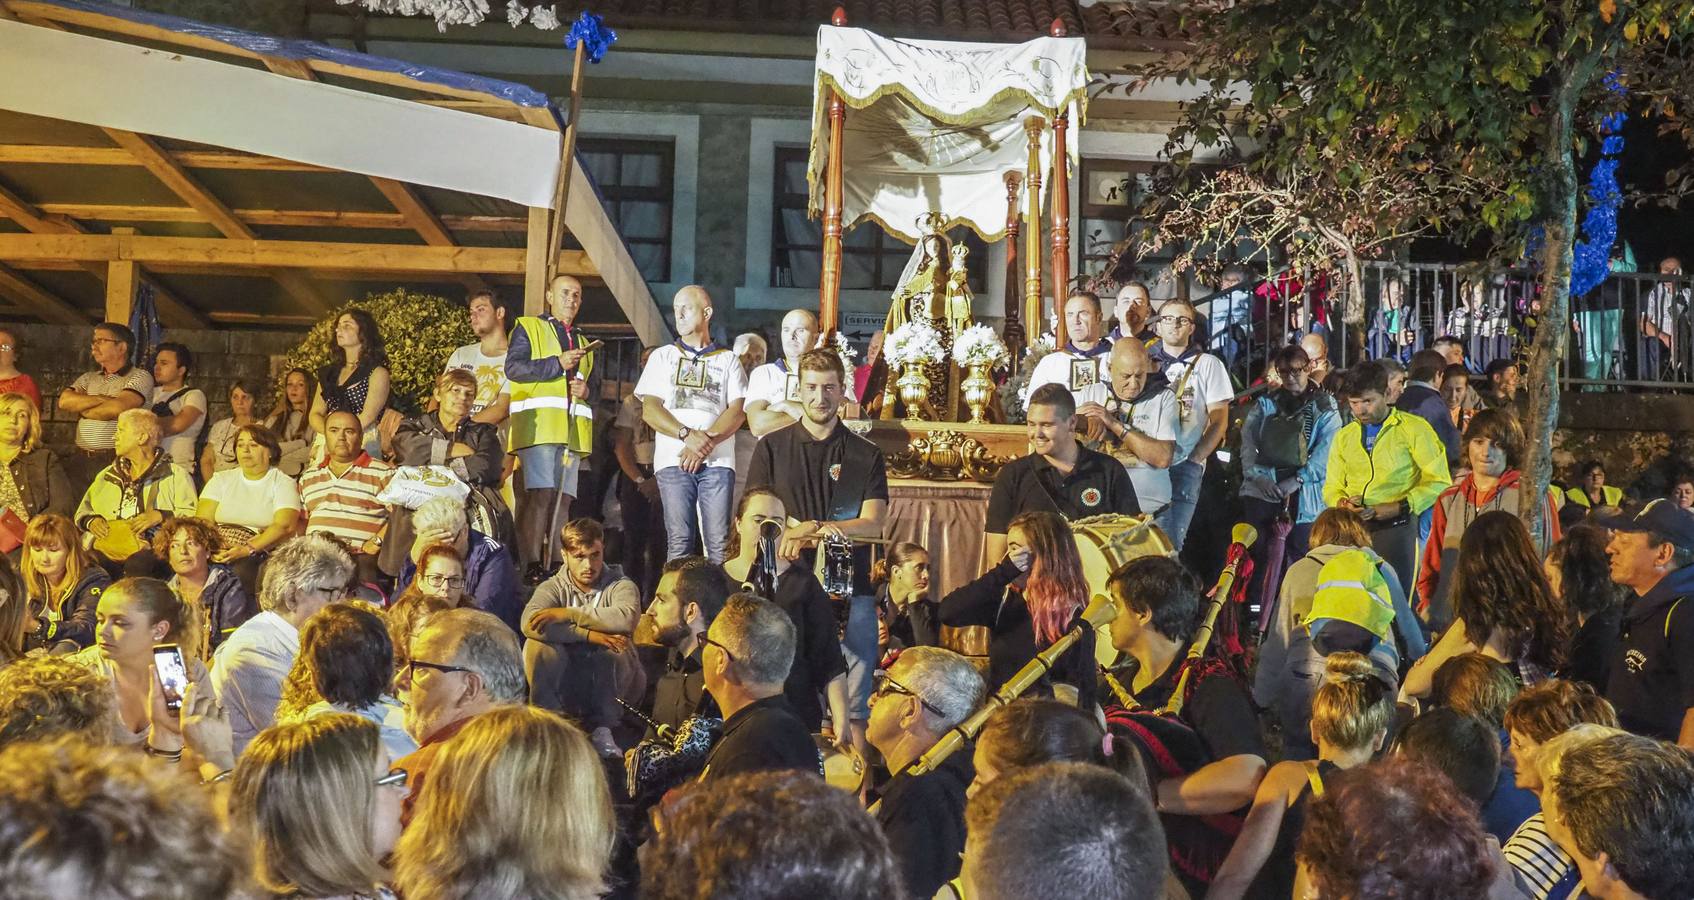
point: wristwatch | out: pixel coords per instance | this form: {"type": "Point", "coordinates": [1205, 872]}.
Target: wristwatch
{"type": "Point", "coordinates": [683, 433]}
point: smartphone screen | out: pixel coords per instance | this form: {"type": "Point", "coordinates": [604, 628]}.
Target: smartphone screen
{"type": "Point", "coordinates": [593, 345]}
{"type": "Point", "coordinates": [173, 673]}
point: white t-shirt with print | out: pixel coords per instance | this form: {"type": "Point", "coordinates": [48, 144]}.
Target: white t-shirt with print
{"type": "Point", "coordinates": [490, 373]}
{"type": "Point", "coordinates": [1208, 384]}
{"type": "Point", "coordinates": [180, 447]}
{"type": "Point", "coordinates": [773, 385]}
{"type": "Point", "coordinates": [248, 502]}
{"type": "Point", "coordinates": [725, 382]}
{"type": "Point", "coordinates": [1056, 368]}
{"type": "Point", "coordinates": [1156, 417]}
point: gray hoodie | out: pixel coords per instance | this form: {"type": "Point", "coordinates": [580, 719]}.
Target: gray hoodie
{"type": "Point", "coordinates": [611, 607]}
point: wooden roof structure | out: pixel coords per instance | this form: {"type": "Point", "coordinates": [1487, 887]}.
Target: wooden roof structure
{"type": "Point", "coordinates": [231, 236]}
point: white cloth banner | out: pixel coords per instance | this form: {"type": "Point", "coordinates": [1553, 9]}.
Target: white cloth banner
{"type": "Point", "coordinates": [934, 126]}
{"type": "Point", "coordinates": [62, 75]}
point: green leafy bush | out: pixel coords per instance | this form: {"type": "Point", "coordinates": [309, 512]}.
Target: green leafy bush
{"type": "Point", "coordinates": [419, 331]}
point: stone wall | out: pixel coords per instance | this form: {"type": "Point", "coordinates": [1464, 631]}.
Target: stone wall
{"type": "Point", "coordinates": [54, 355]}
{"type": "Point", "coordinates": [1642, 439]}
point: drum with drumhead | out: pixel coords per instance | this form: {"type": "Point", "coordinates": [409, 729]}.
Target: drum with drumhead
{"type": "Point", "coordinates": [1105, 544]}
{"type": "Point", "coordinates": [841, 768]}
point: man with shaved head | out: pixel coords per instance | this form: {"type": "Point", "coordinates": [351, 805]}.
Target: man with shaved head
{"type": "Point", "coordinates": [691, 394]}
{"type": "Point", "coordinates": [551, 426]}
{"type": "Point", "coordinates": [1133, 418]}
{"type": "Point", "coordinates": [1203, 391]}
{"type": "Point", "coordinates": [773, 389]}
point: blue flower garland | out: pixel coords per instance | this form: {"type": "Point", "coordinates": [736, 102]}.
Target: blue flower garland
{"type": "Point", "coordinates": [593, 34]}
{"type": "Point", "coordinates": [1592, 255]}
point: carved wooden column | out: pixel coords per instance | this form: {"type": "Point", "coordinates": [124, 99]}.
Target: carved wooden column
{"type": "Point", "coordinates": [829, 282]}
{"type": "Point", "coordinates": [1061, 213]}
{"type": "Point", "coordinates": [1013, 333]}
{"type": "Point", "coordinates": [1033, 318]}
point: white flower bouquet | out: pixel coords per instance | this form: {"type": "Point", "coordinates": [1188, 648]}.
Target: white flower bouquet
{"type": "Point", "coordinates": [978, 345]}
{"type": "Point", "coordinates": [914, 342]}
{"type": "Point", "coordinates": [845, 351]}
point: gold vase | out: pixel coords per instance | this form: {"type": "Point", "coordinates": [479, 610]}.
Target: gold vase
{"type": "Point", "coordinates": [978, 392]}
{"type": "Point", "coordinates": [914, 390]}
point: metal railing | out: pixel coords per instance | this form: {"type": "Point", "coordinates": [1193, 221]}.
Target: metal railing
{"type": "Point", "coordinates": [1636, 330]}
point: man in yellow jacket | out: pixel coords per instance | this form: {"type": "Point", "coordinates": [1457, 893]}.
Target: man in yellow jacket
{"type": "Point", "coordinates": [1388, 466]}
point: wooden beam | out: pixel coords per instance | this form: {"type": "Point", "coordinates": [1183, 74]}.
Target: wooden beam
{"type": "Point", "coordinates": [324, 256]}
{"type": "Point", "coordinates": [120, 284]}
{"type": "Point", "coordinates": [36, 220]}
{"type": "Point", "coordinates": [287, 218]}
{"type": "Point", "coordinates": [184, 185]}
{"type": "Point", "coordinates": [39, 300]}
{"type": "Point", "coordinates": [244, 318]}
{"type": "Point", "coordinates": [417, 215]}
{"type": "Point", "coordinates": [174, 176]}
{"type": "Point", "coordinates": [23, 212]}
{"type": "Point", "coordinates": [535, 261]}
{"type": "Point", "coordinates": [66, 155]}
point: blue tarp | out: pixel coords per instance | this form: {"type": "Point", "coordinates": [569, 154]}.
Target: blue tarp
{"type": "Point", "coordinates": [269, 45]}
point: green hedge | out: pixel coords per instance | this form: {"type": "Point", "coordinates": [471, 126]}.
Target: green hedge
{"type": "Point", "coordinates": [419, 331]}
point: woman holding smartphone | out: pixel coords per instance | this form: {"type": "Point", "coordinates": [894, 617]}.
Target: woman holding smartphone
{"type": "Point", "coordinates": [134, 616]}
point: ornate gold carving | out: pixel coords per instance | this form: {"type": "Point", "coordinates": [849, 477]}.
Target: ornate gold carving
{"type": "Point", "coordinates": [945, 456]}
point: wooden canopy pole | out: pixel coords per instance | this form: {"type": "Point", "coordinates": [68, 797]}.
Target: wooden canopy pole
{"type": "Point", "coordinates": [562, 190]}
{"type": "Point", "coordinates": [1014, 322]}
{"type": "Point", "coordinates": [1036, 324]}
{"type": "Point", "coordinates": [829, 281]}
{"type": "Point", "coordinates": [1061, 213]}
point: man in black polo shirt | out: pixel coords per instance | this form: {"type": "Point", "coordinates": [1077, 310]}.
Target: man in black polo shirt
{"type": "Point", "coordinates": [1059, 475]}
{"type": "Point", "coordinates": [832, 482]}
{"type": "Point", "coordinates": [748, 651]}
{"type": "Point", "coordinates": [1652, 672]}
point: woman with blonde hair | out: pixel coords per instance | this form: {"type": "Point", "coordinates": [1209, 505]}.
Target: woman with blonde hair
{"type": "Point", "coordinates": [290, 420]}
{"type": "Point", "coordinates": [134, 615]}
{"type": "Point", "coordinates": [32, 481]}
{"type": "Point", "coordinates": [1290, 669]}
{"type": "Point", "coordinates": [480, 832]}
{"type": "Point", "coordinates": [63, 583]}
{"type": "Point", "coordinates": [319, 807]}
{"type": "Point", "coordinates": [1349, 722]}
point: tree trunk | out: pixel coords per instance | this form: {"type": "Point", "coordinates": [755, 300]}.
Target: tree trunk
{"type": "Point", "coordinates": [1553, 328]}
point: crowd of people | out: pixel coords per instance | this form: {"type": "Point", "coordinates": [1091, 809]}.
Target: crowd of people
{"type": "Point", "coordinates": [330, 650]}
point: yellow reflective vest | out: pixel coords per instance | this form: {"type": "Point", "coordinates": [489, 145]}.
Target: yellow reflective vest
{"type": "Point", "coordinates": [1407, 462]}
{"type": "Point", "coordinates": [1351, 588]}
{"type": "Point", "coordinates": [543, 412]}
{"type": "Point", "coordinates": [1612, 496]}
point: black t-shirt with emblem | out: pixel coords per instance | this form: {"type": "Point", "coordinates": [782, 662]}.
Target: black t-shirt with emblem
{"type": "Point", "coordinates": [824, 480]}
{"type": "Point", "coordinates": [1097, 485]}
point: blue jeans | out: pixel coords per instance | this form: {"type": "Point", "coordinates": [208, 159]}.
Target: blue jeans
{"type": "Point", "coordinates": [696, 505]}
{"type": "Point", "coordinates": [1185, 493]}
{"type": "Point", "coordinates": [859, 646]}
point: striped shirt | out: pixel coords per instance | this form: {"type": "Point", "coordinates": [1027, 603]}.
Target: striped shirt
{"type": "Point", "coordinates": [1540, 869]}
{"type": "Point", "coordinates": [101, 434]}
{"type": "Point", "coordinates": [346, 506]}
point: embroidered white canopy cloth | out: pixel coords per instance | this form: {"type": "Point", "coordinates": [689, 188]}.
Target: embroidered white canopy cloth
{"type": "Point", "coordinates": [934, 126]}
